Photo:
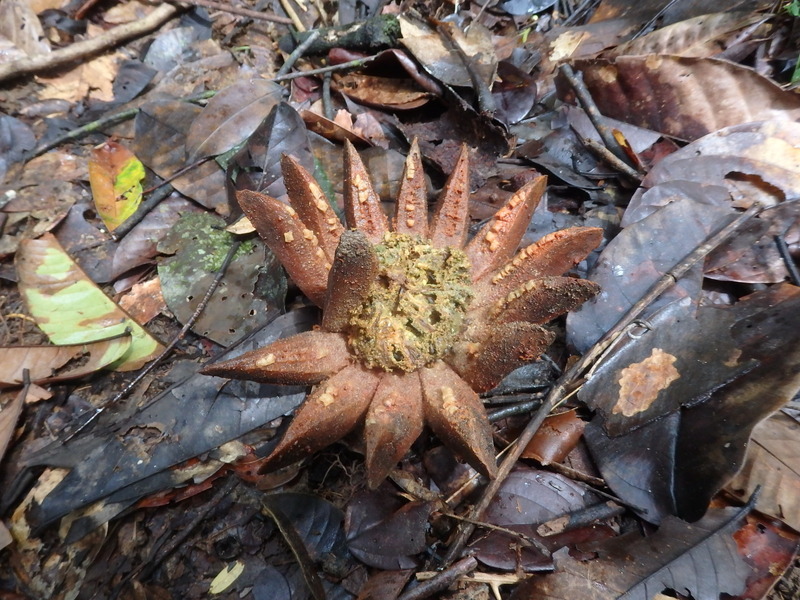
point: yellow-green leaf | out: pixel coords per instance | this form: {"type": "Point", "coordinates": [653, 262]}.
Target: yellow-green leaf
{"type": "Point", "coordinates": [70, 308]}
{"type": "Point", "coordinates": [115, 175]}
{"type": "Point", "coordinates": [226, 577]}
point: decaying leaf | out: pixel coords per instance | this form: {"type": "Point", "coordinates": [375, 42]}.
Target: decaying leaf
{"type": "Point", "coordinates": [115, 175]}
{"type": "Point", "coordinates": [70, 308]}
{"type": "Point", "coordinates": [671, 94]}
{"type": "Point", "coordinates": [736, 166]}
{"type": "Point", "coordinates": [735, 366]}
{"type": "Point", "coordinates": [773, 462]}
{"type": "Point", "coordinates": [701, 36]}
{"type": "Point", "coordinates": [161, 127]}
{"type": "Point", "coordinates": [699, 559]}
{"type": "Point", "coordinates": [48, 364]}
{"type": "Point", "coordinates": [198, 244]}
{"type": "Point", "coordinates": [230, 117]}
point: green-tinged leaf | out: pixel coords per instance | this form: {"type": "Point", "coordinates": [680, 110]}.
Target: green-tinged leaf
{"type": "Point", "coordinates": [226, 577]}
{"type": "Point", "coordinates": [115, 175]}
{"type": "Point", "coordinates": [48, 364]}
{"type": "Point", "coordinates": [70, 308]}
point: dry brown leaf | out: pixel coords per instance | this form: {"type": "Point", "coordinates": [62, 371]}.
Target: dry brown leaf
{"type": "Point", "coordinates": [21, 26]}
{"type": "Point", "coordinates": [700, 36]}
{"type": "Point", "coordinates": [144, 302]}
{"type": "Point", "coordinates": [58, 363]}
{"type": "Point", "coordinates": [93, 79]}
{"type": "Point", "coordinates": [773, 462]}
{"type": "Point", "coordinates": [673, 94]}
{"type": "Point", "coordinates": [8, 421]}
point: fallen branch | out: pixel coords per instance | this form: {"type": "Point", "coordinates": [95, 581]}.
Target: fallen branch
{"type": "Point", "coordinates": [81, 50]}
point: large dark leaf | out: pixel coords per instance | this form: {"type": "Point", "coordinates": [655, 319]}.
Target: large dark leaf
{"type": "Point", "coordinates": [671, 94]}
{"type": "Point", "coordinates": [253, 283]}
{"type": "Point", "coordinates": [231, 116]}
{"type": "Point", "coordinates": [637, 258]}
{"type": "Point", "coordinates": [700, 559]}
{"type": "Point", "coordinates": [161, 127]}
{"type": "Point", "coordinates": [674, 464]}
{"type": "Point", "coordinates": [385, 532]}
{"type": "Point", "coordinates": [257, 166]}
{"type": "Point", "coordinates": [196, 415]}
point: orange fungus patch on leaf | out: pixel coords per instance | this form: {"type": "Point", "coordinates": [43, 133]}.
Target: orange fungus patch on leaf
{"type": "Point", "coordinates": [640, 383]}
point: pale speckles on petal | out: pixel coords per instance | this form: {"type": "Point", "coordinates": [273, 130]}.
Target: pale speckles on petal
{"type": "Point", "coordinates": [266, 361]}
{"type": "Point", "coordinates": [449, 402]}
{"type": "Point", "coordinates": [328, 397]}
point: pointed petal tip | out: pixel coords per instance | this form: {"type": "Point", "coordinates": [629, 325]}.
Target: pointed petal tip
{"type": "Point", "coordinates": [456, 415]}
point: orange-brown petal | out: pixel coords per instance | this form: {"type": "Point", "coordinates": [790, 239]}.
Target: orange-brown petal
{"type": "Point", "coordinates": [497, 241]}
{"type": "Point", "coordinates": [451, 217]}
{"type": "Point", "coordinates": [329, 413]}
{"type": "Point", "coordinates": [302, 359]}
{"type": "Point", "coordinates": [554, 254]}
{"type": "Point", "coordinates": [308, 199]}
{"type": "Point", "coordinates": [362, 206]}
{"type": "Point", "coordinates": [296, 246]}
{"type": "Point", "coordinates": [456, 415]}
{"type": "Point", "coordinates": [394, 421]}
{"type": "Point", "coordinates": [411, 212]}
{"type": "Point", "coordinates": [508, 346]}
{"type": "Point", "coordinates": [354, 269]}
{"type": "Point", "coordinates": [540, 300]}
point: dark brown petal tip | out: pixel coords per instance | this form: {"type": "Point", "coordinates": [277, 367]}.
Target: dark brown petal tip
{"type": "Point", "coordinates": [506, 347]}
{"type": "Point", "coordinates": [411, 212]}
{"type": "Point", "coordinates": [303, 359]}
{"type": "Point", "coordinates": [541, 300]}
{"type": "Point", "coordinates": [456, 415]}
{"type": "Point", "coordinates": [394, 421]}
{"type": "Point", "coordinates": [308, 199]}
{"type": "Point", "coordinates": [451, 217]}
{"type": "Point", "coordinates": [352, 273]}
{"type": "Point", "coordinates": [329, 413]}
{"type": "Point", "coordinates": [361, 204]}
{"type": "Point", "coordinates": [296, 246]}
{"type": "Point", "coordinates": [497, 241]}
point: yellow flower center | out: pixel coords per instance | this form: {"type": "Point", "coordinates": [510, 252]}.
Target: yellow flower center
{"type": "Point", "coordinates": [415, 309]}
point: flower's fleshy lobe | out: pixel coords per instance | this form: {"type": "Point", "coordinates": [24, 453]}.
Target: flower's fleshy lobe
{"type": "Point", "coordinates": [416, 319]}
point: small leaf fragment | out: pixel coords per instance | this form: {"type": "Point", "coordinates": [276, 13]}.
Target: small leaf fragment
{"type": "Point", "coordinates": [115, 175]}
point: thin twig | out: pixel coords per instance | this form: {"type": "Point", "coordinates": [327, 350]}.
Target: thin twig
{"type": "Point", "coordinates": [175, 341]}
{"type": "Point", "coordinates": [82, 50]}
{"type": "Point", "coordinates": [788, 261]}
{"type": "Point", "coordinates": [161, 552]}
{"type": "Point", "coordinates": [297, 53]}
{"type": "Point", "coordinates": [327, 101]}
{"type": "Point", "coordinates": [486, 103]}
{"type": "Point", "coordinates": [242, 12]}
{"type": "Point", "coordinates": [606, 155]}
{"type": "Point", "coordinates": [295, 19]}
{"type": "Point", "coordinates": [574, 372]}
{"type": "Point", "coordinates": [591, 110]}
{"type": "Point", "coordinates": [442, 580]}
{"type": "Point", "coordinates": [98, 124]}
{"type": "Point", "coordinates": [580, 518]}
{"type": "Point", "coordinates": [359, 62]}
{"type": "Point", "coordinates": [153, 200]}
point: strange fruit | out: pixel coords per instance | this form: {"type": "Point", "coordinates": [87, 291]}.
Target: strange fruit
{"type": "Point", "coordinates": [417, 320]}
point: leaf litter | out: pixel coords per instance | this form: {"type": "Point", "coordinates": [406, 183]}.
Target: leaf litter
{"type": "Point", "coordinates": [668, 411]}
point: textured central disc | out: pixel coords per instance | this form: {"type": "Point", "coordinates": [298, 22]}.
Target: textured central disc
{"type": "Point", "coordinates": [415, 309]}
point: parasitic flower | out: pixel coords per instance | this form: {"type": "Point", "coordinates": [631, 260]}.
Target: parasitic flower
{"type": "Point", "coordinates": [416, 319]}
